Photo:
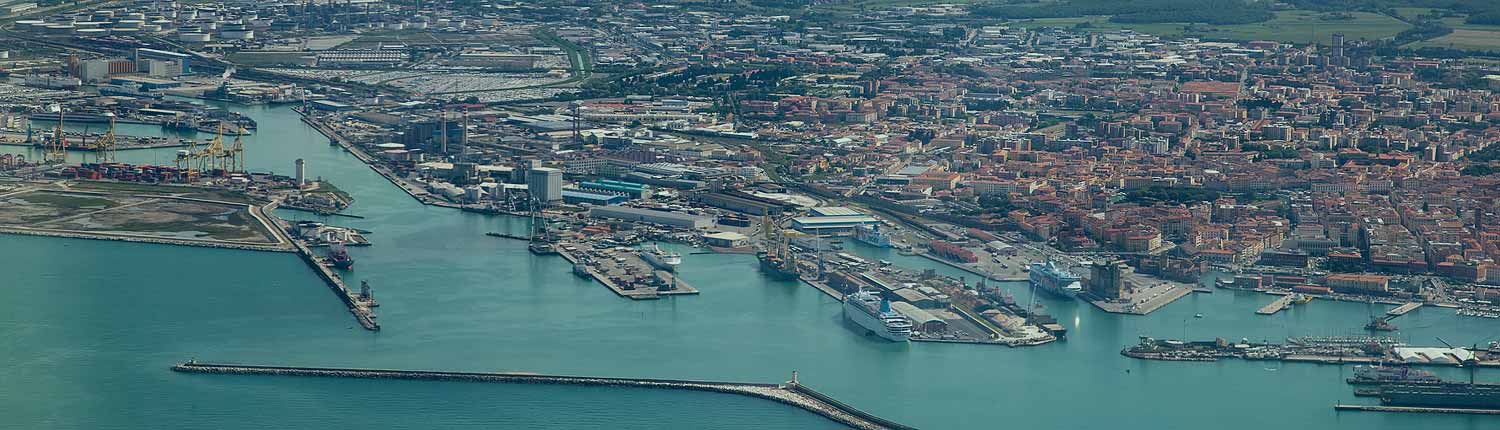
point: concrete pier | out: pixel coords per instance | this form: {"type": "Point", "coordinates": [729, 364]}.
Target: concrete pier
{"type": "Point", "coordinates": [790, 393]}
{"type": "Point", "coordinates": [1277, 305]}
{"type": "Point", "coordinates": [360, 310]}
{"type": "Point", "coordinates": [1404, 309]}
{"type": "Point", "coordinates": [636, 265]}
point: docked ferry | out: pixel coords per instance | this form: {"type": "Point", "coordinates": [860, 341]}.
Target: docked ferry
{"type": "Point", "coordinates": [1377, 374]}
{"type": "Point", "coordinates": [1049, 277]}
{"type": "Point", "coordinates": [874, 313]}
{"type": "Point", "coordinates": [871, 235]}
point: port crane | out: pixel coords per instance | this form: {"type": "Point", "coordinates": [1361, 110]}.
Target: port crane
{"type": "Point", "coordinates": [104, 148]}
{"type": "Point", "coordinates": [56, 150]}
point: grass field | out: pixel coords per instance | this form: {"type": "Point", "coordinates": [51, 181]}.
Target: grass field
{"type": "Point", "coordinates": [1288, 26]}
{"type": "Point", "coordinates": [1478, 40]}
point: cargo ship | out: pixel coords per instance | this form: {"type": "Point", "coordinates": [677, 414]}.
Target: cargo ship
{"type": "Point", "coordinates": [779, 268]}
{"type": "Point", "coordinates": [1441, 395]}
{"type": "Point", "coordinates": [1055, 280]}
{"type": "Point", "coordinates": [1378, 374]}
{"type": "Point", "coordinates": [873, 313]}
{"type": "Point", "coordinates": [664, 260]}
{"type": "Point", "coordinates": [871, 235]}
{"type": "Point", "coordinates": [339, 257]}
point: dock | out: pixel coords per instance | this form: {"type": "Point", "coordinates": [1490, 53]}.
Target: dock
{"type": "Point", "coordinates": [1404, 309]}
{"type": "Point", "coordinates": [629, 276]}
{"type": "Point", "coordinates": [1371, 408]}
{"type": "Point", "coordinates": [791, 393]}
{"type": "Point", "coordinates": [1277, 305]}
{"type": "Point", "coordinates": [360, 310]}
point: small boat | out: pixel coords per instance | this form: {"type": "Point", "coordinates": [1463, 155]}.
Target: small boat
{"type": "Point", "coordinates": [1198, 316]}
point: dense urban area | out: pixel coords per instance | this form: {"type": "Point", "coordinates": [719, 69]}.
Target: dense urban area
{"type": "Point", "coordinates": [1125, 154]}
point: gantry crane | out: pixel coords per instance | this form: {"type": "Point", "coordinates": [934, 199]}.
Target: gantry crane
{"type": "Point", "coordinates": [104, 148]}
{"type": "Point", "coordinates": [56, 150]}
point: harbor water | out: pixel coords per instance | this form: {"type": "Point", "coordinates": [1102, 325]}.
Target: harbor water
{"type": "Point", "coordinates": [91, 328]}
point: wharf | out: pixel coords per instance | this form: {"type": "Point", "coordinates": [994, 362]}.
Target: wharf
{"type": "Point", "coordinates": [631, 263]}
{"type": "Point", "coordinates": [981, 273]}
{"type": "Point", "coordinates": [360, 310]}
{"type": "Point", "coordinates": [1404, 309]}
{"type": "Point", "coordinates": [1146, 306]}
{"type": "Point", "coordinates": [825, 288]}
{"type": "Point", "coordinates": [1371, 408]}
{"type": "Point", "coordinates": [791, 393]}
{"type": "Point", "coordinates": [1277, 305]}
{"type": "Point", "coordinates": [508, 236]}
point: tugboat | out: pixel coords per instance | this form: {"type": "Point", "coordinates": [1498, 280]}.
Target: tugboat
{"type": "Point", "coordinates": [339, 257]}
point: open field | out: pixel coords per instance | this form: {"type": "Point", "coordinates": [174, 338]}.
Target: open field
{"type": "Point", "coordinates": [124, 214]}
{"type": "Point", "coordinates": [1288, 26]}
{"type": "Point", "coordinates": [1478, 40]}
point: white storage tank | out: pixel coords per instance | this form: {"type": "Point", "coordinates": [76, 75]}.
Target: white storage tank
{"type": "Point", "coordinates": [194, 37]}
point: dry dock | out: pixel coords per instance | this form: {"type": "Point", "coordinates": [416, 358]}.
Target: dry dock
{"type": "Point", "coordinates": [1277, 305]}
{"type": "Point", "coordinates": [791, 393]}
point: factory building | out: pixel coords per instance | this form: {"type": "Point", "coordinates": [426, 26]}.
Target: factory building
{"type": "Point", "coordinates": [156, 62]}
{"type": "Point", "coordinates": [671, 219]}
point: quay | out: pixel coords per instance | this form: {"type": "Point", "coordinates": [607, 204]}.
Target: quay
{"type": "Point", "coordinates": [360, 309]}
{"type": "Point", "coordinates": [1404, 309]}
{"type": "Point", "coordinates": [1276, 305]}
{"type": "Point", "coordinates": [791, 393]}
{"type": "Point", "coordinates": [508, 236]}
{"type": "Point", "coordinates": [624, 280]}
{"type": "Point", "coordinates": [1371, 408]}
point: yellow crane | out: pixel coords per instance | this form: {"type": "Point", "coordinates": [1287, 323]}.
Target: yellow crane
{"type": "Point", "coordinates": [56, 150]}
{"type": "Point", "coordinates": [104, 148]}
{"type": "Point", "coordinates": [211, 156]}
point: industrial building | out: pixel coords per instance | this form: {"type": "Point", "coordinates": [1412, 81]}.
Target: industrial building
{"type": "Point", "coordinates": [726, 239]}
{"type": "Point", "coordinates": [835, 220]}
{"type": "Point", "coordinates": [630, 190]}
{"type": "Point", "coordinates": [580, 197]}
{"type": "Point", "coordinates": [544, 184]}
{"type": "Point", "coordinates": [671, 219]}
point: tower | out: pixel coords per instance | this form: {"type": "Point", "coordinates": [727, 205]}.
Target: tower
{"type": "Point", "coordinates": [301, 172]}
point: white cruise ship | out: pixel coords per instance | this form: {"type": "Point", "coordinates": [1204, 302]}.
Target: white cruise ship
{"type": "Point", "coordinates": [874, 313]}
{"type": "Point", "coordinates": [664, 260]}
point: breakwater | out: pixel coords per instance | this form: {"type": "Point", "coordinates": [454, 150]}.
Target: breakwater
{"type": "Point", "coordinates": [122, 237]}
{"type": "Point", "coordinates": [791, 393]}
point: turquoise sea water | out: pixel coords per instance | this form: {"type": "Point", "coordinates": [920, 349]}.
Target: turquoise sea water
{"type": "Point", "coordinates": [89, 329]}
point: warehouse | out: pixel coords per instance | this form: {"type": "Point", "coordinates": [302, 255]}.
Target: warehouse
{"type": "Point", "coordinates": [578, 197]}
{"type": "Point", "coordinates": [672, 219]}
{"type": "Point", "coordinates": [831, 224]}
{"type": "Point", "coordinates": [924, 321]}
